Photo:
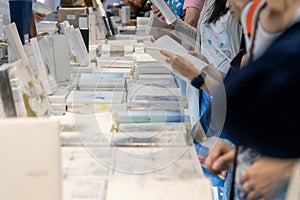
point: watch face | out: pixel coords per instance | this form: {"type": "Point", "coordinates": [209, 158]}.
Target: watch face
{"type": "Point", "coordinates": [198, 81]}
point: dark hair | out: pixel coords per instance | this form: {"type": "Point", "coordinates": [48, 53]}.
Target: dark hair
{"type": "Point", "coordinates": [219, 9]}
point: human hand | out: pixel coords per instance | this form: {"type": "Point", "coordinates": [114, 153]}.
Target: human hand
{"type": "Point", "coordinates": [245, 60]}
{"type": "Point", "coordinates": [220, 157]}
{"type": "Point", "coordinates": [266, 178]}
{"type": "Point", "coordinates": [181, 65]}
{"type": "Point", "coordinates": [38, 16]}
{"type": "Point", "coordinates": [158, 14]}
{"type": "Point", "coordinates": [199, 55]}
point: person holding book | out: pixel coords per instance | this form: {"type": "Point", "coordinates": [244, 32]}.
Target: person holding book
{"type": "Point", "coordinates": [255, 182]}
{"type": "Point", "coordinates": [218, 33]}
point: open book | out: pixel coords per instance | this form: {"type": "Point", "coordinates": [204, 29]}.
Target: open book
{"type": "Point", "coordinates": [165, 10]}
{"type": "Point", "coordinates": [166, 43]}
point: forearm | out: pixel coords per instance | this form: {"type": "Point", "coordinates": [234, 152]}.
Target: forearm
{"type": "Point", "coordinates": [192, 16]}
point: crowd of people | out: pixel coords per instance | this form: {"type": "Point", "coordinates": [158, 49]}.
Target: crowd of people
{"type": "Point", "coordinates": [253, 45]}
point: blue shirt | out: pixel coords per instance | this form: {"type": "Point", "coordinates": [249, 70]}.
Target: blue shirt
{"type": "Point", "coordinates": [177, 6]}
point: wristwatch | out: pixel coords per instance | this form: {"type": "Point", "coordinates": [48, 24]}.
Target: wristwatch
{"type": "Point", "coordinates": [198, 81]}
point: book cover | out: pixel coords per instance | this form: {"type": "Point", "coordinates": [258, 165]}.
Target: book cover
{"type": "Point", "coordinates": [7, 101]}
{"type": "Point", "coordinates": [143, 116]}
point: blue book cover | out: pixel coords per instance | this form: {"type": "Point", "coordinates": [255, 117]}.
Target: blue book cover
{"type": "Point", "coordinates": [147, 116]}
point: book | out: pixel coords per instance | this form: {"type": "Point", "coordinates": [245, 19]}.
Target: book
{"type": "Point", "coordinates": [76, 43]}
{"type": "Point", "coordinates": [95, 97]}
{"type": "Point", "coordinates": [149, 139]}
{"type": "Point", "coordinates": [87, 139]}
{"type": "Point", "coordinates": [143, 116]}
{"type": "Point", "coordinates": [166, 43]}
{"type": "Point", "coordinates": [126, 71]}
{"type": "Point", "coordinates": [81, 154]}
{"type": "Point", "coordinates": [89, 169]}
{"type": "Point", "coordinates": [55, 52]}
{"type": "Point", "coordinates": [42, 69]}
{"type": "Point", "coordinates": [48, 58]}
{"type": "Point", "coordinates": [147, 89]}
{"type": "Point", "coordinates": [144, 83]}
{"type": "Point", "coordinates": [165, 10]}
{"type": "Point", "coordinates": [60, 95]}
{"type": "Point", "coordinates": [159, 102]}
{"type": "Point", "coordinates": [154, 76]}
{"type": "Point", "coordinates": [36, 144]}
{"type": "Point", "coordinates": [156, 28]}
{"type": "Point", "coordinates": [83, 189]}
{"type": "Point", "coordinates": [101, 80]}
{"type": "Point", "coordinates": [115, 62]}
{"type": "Point", "coordinates": [35, 98]}
{"type": "Point", "coordinates": [149, 188]}
{"type": "Point", "coordinates": [8, 108]}
{"type": "Point", "coordinates": [150, 68]}
{"type": "Point", "coordinates": [152, 127]}
{"type": "Point", "coordinates": [110, 50]}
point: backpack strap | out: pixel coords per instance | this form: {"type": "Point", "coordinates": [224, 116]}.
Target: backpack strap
{"type": "Point", "coordinates": [252, 15]}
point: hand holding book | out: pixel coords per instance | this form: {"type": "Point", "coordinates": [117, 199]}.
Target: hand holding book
{"type": "Point", "coordinates": [163, 12]}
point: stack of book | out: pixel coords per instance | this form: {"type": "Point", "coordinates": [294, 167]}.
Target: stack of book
{"type": "Point", "coordinates": [102, 81]}
{"type": "Point", "coordinates": [93, 101]}
{"type": "Point", "coordinates": [58, 100]}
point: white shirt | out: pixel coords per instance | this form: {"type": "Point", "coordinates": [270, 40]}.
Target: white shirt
{"type": "Point", "coordinates": [215, 43]}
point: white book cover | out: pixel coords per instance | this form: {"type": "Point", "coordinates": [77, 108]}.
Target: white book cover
{"type": "Point", "coordinates": [60, 95]}
{"type": "Point", "coordinates": [110, 50]}
{"type": "Point", "coordinates": [136, 89]}
{"type": "Point", "coordinates": [181, 169]}
{"type": "Point", "coordinates": [92, 28]}
{"type": "Point", "coordinates": [148, 116]}
{"type": "Point", "coordinates": [158, 102]}
{"type": "Point", "coordinates": [165, 10]}
{"type": "Point", "coordinates": [166, 43]}
{"type": "Point", "coordinates": [101, 80]}
{"type": "Point", "coordinates": [156, 28]}
{"type": "Point", "coordinates": [126, 71]}
{"type": "Point", "coordinates": [167, 83]}
{"type": "Point", "coordinates": [155, 76]}
{"type": "Point", "coordinates": [143, 57]}
{"type": "Point", "coordinates": [60, 61]}
{"type": "Point", "coordinates": [59, 107]}
{"type": "Point", "coordinates": [48, 57]}
{"type": "Point", "coordinates": [84, 189]}
{"type": "Point", "coordinates": [117, 62]}
{"type": "Point", "coordinates": [102, 29]}
{"type": "Point", "coordinates": [35, 98]}
{"type": "Point", "coordinates": [149, 138]}
{"type": "Point", "coordinates": [82, 154]}
{"type": "Point", "coordinates": [151, 70]}
{"type": "Point", "coordinates": [92, 169]}
{"type": "Point", "coordinates": [85, 139]}
{"type": "Point", "coordinates": [95, 97]}
{"type": "Point", "coordinates": [149, 188]}
{"type": "Point", "coordinates": [120, 41]}
{"type": "Point", "coordinates": [151, 127]}
{"type": "Point", "coordinates": [11, 105]}
{"type": "Point", "coordinates": [42, 69]}
{"type": "Point", "coordinates": [76, 43]}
